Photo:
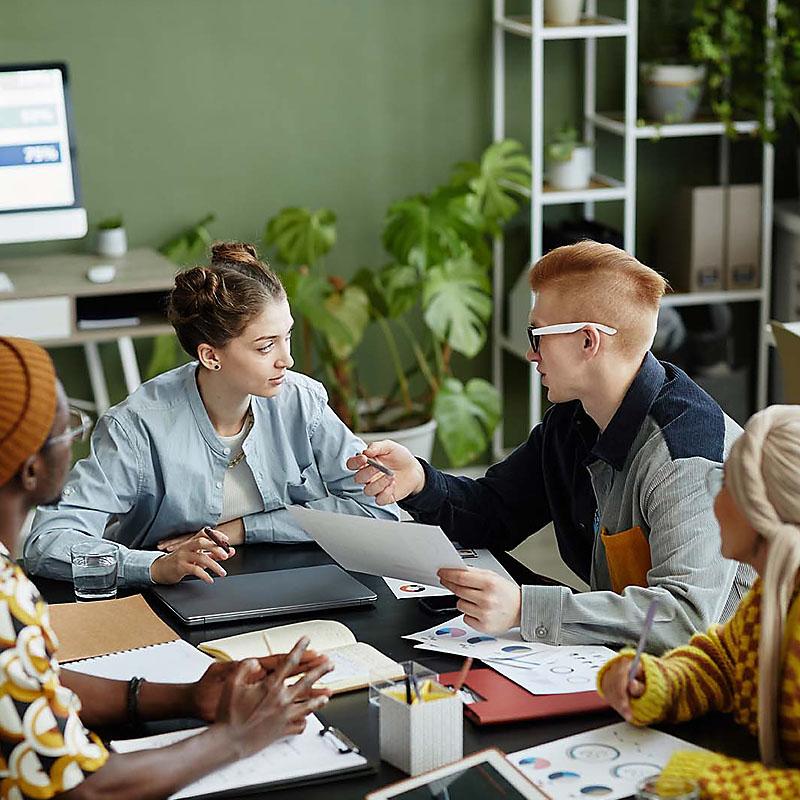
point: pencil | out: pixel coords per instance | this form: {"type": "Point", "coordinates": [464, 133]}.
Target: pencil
{"type": "Point", "coordinates": [380, 467]}
{"type": "Point", "coordinates": [208, 531]}
{"type": "Point", "coordinates": [462, 675]}
{"type": "Point", "coordinates": [266, 642]}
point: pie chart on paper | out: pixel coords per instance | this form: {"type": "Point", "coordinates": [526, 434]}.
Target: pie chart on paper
{"type": "Point", "coordinates": [451, 633]}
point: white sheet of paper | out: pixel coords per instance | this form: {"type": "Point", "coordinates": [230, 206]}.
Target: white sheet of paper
{"type": "Point", "coordinates": [607, 762]}
{"type": "Point", "coordinates": [407, 551]}
{"type": "Point", "coordinates": [171, 662]}
{"type": "Point", "coordinates": [483, 559]}
{"type": "Point", "coordinates": [538, 668]}
{"type": "Point", "coordinates": [307, 753]}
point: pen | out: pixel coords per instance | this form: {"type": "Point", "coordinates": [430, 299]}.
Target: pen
{"type": "Point", "coordinates": [648, 623]}
{"type": "Point", "coordinates": [408, 690]}
{"type": "Point", "coordinates": [377, 464]}
{"type": "Point", "coordinates": [416, 687]}
{"type": "Point", "coordinates": [266, 642]}
{"type": "Point", "coordinates": [462, 675]}
{"type": "Point", "coordinates": [208, 531]}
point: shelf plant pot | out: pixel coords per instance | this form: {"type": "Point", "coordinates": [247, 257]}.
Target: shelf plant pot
{"type": "Point", "coordinates": [112, 242]}
{"type": "Point", "coordinates": [575, 173]}
{"type": "Point", "coordinates": [672, 92]}
{"type": "Point", "coordinates": [562, 12]}
{"type": "Point", "coordinates": [418, 439]}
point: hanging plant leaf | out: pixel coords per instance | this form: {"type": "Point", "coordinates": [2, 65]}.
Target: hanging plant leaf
{"type": "Point", "coordinates": [466, 416]}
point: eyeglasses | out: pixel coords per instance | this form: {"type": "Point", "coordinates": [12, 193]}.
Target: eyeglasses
{"type": "Point", "coordinates": [77, 430]}
{"type": "Point", "coordinates": [715, 480]}
{"type": "Point", "coordinates": [535, 334]}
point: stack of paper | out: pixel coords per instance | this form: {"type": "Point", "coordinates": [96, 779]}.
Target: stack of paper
{"type": "Point", "coordinates": [539, 668]}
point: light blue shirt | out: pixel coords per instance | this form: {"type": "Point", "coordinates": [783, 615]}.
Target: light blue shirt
{"type": "Point", "coordinates": [157, 469]}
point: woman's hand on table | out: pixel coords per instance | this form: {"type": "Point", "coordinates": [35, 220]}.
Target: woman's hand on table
{"type": "Point", "coordinates": [196, 555]}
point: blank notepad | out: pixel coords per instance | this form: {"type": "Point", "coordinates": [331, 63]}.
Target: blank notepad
{"type": "Point", "coordinates": [171, 662]}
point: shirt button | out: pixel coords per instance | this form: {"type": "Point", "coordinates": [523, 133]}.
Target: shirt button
{"type": "Point", "coordinates": [67, 492]}
{"type": "Point", "coordinates": [226, 450]}
{"type": "Point", "coordinates": [541, 631]}
{"type": "Point", "coordinates": [218, 484]}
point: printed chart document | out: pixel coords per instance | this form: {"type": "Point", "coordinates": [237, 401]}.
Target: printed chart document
{"type": "Point", "coordinates": [355, 663]}
{"type": "Point", "coordinates": [539, 668]}
{"type": "Point", "coordinates": [291, 759]}
{"type": "Point", "coordinates": [407, 551]}
{"type": "Point", "coordinates": [480, 558]}
{"type": "Point", "coordinates": [607, 762]}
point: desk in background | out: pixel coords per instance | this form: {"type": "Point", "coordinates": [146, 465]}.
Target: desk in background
{"type": "Point", "coordinates": [382, 626]}
{"type": "Point", "coordinates": [53, 293]}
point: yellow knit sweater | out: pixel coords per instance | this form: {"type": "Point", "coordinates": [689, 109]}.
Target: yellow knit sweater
{"type": "Point", "coordinates": [718, 671]}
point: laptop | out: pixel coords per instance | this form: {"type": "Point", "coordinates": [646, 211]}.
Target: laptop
{"type": "Point", "coordinates": [264, 594]}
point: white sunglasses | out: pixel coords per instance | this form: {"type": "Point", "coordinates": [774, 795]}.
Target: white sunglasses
{"type": "Point", "coordinates": [564, 327]}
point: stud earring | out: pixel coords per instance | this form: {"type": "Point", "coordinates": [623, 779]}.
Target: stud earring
{"type": "Point", "coordinates": [216, 366]}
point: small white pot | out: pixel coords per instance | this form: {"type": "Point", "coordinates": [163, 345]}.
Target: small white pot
{"type": "Point", "coordinates": [112, 242]}
{"type": "Point", "coordinates": [672, 92]}
{"type": "Point", "coordinates": [573, 174]}
{"type": "Point", "coordinates": [562, 12]}
{"type": "Point", "coordinates": [419, 439]}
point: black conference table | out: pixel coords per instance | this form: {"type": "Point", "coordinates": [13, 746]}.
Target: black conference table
{"type": "Point", "coordinates": [382, 626]}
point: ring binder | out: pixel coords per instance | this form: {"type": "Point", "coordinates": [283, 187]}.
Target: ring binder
{"type": "Point", "coordinates": [344, 744]}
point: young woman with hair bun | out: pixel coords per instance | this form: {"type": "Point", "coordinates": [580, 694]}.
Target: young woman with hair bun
{"type": "Point", "coordinates": [227, 441]}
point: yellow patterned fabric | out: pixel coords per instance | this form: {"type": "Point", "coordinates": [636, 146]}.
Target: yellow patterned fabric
{"type": "Point", "coordinates": [718, 671]}
{"type": "Point", "coordinates": [44, 748]}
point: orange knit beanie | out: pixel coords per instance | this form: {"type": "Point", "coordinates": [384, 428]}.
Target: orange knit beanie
{"type": "Point", "coordinates": [27, 402]}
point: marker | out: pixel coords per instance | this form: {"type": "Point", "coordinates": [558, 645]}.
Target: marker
{"type": "Point", "coordinates": [648, 623]}
{"type": "Point", "coordinates": [462, 676]}
{"type": "Point", "coordinates": [377, 464]}
{"type": "Point", "coordinates": [208, 531]}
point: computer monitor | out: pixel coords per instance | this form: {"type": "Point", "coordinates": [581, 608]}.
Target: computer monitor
{"type": "Point", "coordinates": [39, 190]}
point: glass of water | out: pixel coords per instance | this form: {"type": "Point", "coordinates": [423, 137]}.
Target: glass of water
{"type": "Point", "coordinates": [660, 787]}
{"type": "Point", "coordinates": [94, 570]}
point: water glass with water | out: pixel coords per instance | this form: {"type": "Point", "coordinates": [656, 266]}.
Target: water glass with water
{"type": "Point", "coordinates": [94, 570]}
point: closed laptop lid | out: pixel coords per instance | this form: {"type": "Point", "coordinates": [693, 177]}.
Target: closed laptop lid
{"type": "Point", "coordinates": [264, 594]}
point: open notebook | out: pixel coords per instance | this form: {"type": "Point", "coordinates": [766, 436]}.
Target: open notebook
{"type": "Point", "coordinates": [355, 663]}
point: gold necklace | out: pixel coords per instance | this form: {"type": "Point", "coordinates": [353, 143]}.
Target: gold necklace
{"type": "Point", "coordinates": [248, 424]}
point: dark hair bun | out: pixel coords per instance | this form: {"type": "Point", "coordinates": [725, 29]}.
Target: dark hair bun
{"type": "Point", "coordinates": [234, 253]}
{"type": "Point", "coordinates": [195, 286]}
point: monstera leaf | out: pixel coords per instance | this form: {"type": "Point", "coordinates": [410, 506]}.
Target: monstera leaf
{"type": "Point", "coordinates": [308, 296]}
{"type": "Point", "coordinates": [502, 163]}
{"type": "Point", "coordinates": [457, 303]}
{"type": "Point", "coordinates": [392, 291]}
{"type": "Point", "coordinates": [466, 417]}
{"type": "Point", "coordinates": [351, 308]}
{"type": "Point", "coordinates": [301, 236]}
{"type": "Point", "coordinates": [422, 230]}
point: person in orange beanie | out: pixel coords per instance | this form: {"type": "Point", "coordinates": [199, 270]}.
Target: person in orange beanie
{"type": "Point", "coordinates": [44, 748]}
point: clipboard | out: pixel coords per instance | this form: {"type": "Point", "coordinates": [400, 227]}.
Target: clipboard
{"type": "Point", "coordinates": [217, 785]}
{"type": "Point", "coordinates": [504, 701]}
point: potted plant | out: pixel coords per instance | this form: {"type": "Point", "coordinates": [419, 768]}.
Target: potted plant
{"type": "Point", "coordinates": [562, 12]}
{"type": "Point", "coordinates": [111, 238]}
{"type": "Point", "coordinates": [570, 160]}
{"type": "Point", "coordinates": [748, 60]}
{"type": "Point", "coordinates": [672, 84]}
{"type": "Point", "coordinates": [437, 280]}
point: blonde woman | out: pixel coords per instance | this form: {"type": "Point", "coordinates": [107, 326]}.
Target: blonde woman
{"type": "Point", "coordinates": [750, 666]}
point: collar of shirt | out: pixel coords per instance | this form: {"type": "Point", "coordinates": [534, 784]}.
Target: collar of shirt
{"type": "Point", "coordinates": [615, 442]}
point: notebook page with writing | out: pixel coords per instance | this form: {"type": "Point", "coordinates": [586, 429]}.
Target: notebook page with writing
{"type": "Point", "coordinates": [171, 662]}
{"type": "Point", "coordinates": [292, 758]}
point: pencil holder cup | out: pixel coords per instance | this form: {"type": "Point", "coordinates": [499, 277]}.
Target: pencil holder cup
{"type": "Point", "coordinates": [424, 734]}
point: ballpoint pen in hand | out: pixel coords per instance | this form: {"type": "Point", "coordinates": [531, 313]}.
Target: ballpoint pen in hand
{"type": "Point", "coordinates": [209, 531]}
{"type": "Point", "coordinates": [380, 467]}
{"type": "Point", "coordinates": [648, 623]}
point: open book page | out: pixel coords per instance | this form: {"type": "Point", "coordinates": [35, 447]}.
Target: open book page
{"type": "Point", "coordinates": [324, 634]}
{"type": "Point", "coordinates": [294, 757]}
{"type": "Point", "coordinates": [355, 665]}
{"type": "Point", "coordinates": [173, 662]}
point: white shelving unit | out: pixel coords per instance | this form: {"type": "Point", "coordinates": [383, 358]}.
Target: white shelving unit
{"type": "Point", "coordinates": [604, 188]}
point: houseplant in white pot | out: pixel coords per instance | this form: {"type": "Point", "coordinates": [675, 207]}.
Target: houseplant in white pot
{"type": "Point", "coordinates": [570, 161]}
{"type": "Point", "coordinates": [431, 301]}
{"type": "Point", "coordinates": [672, 81]}
{"type": "Point", "coordinates": [111, 238]}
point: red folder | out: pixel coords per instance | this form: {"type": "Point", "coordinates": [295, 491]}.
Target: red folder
{"type": "Point", "coordinates": [507, 702]}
